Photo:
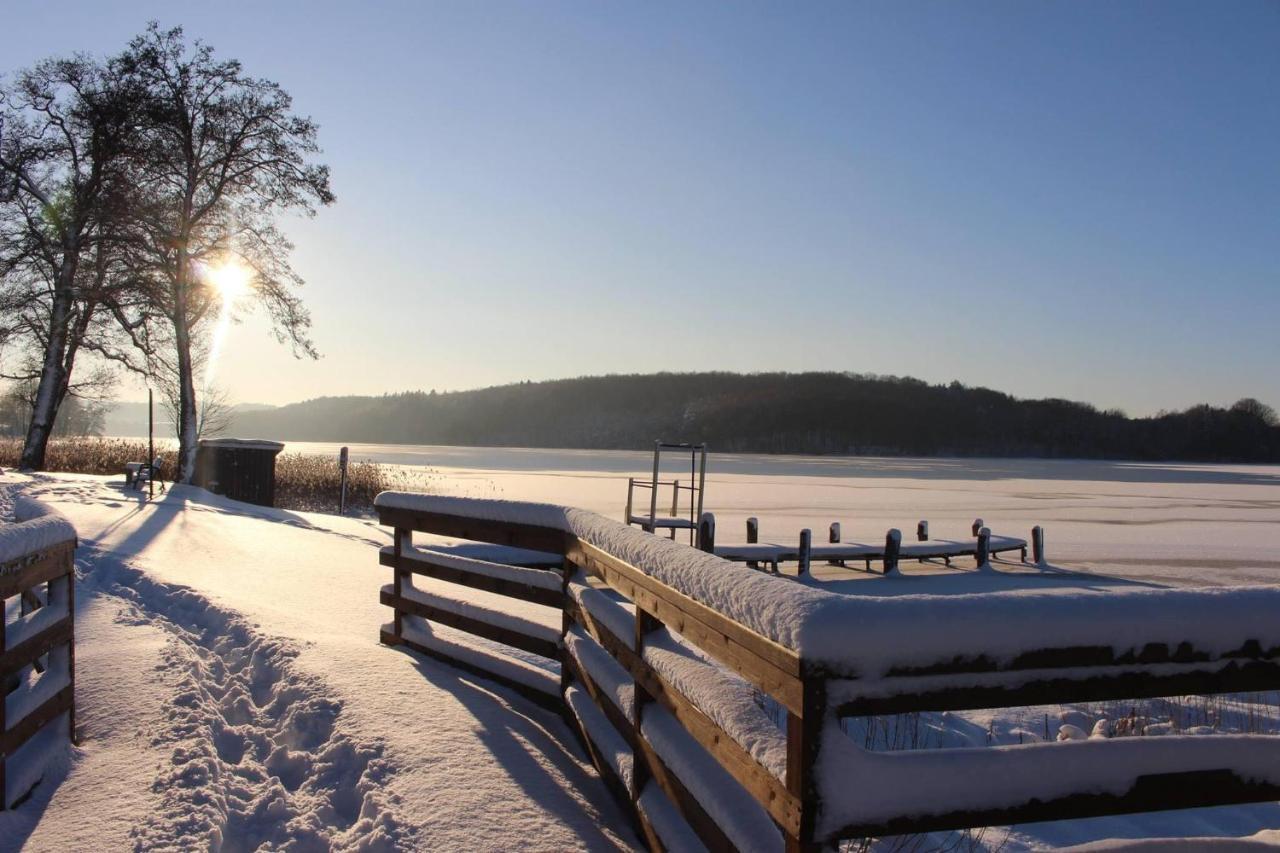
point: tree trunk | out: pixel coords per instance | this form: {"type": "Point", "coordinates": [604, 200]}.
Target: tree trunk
{"type": "Point", "coordinates": [188, 426]}
{"type": "Point", "coordinates": [53, 378]}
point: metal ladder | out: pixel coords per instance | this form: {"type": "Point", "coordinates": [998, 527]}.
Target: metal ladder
{"type": "Point", "coordinates": [651, 521]}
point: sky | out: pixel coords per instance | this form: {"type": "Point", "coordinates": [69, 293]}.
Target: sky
{"type": "Point", "coordinates": [1054, 199]}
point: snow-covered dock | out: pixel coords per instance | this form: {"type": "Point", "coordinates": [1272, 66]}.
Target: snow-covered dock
{"type": "Point", "coordinates": [723, 695]}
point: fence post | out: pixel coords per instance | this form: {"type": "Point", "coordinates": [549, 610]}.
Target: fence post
{"type": "Point", "coordinates": [804, 733]}
{"type": "Point", "coordinates": [753, 530]}
{"type": "Point", "coordinates": [403, 539]}
{"type": "Point", "coordinates": [707, 532]}
{"type": "Point", "coordinates": [1037, 545]}
{"type": "Point", "coordinates": [922, 531]}
{"type": "Point", "coordinates": [645, 624]}
{"type": "Point", "coordinates": [806, 546]}
{"type": "Point", "coordinates": [984, 548]}
{"type": "Point", "coordinates": [833, 537]}
{"type": "Point", "coordinates": [892, 544]}
{"type": "Point", "coordinates": [342, 467]}
{"type": "Point", "coordinates": [978, 524]}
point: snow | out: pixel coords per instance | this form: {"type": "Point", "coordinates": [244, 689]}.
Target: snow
{"type": "Point", "coordinates": [21, 628]}
{"type": "Point", "coordinates": [608, 741]}
{"type": "Point", "coordinates": [31, 694]}
{"type": "Point", "coordinates": [157, 579]}
{"type": "Point", "coordinates": [609, 675]}
{"type": "Point", "coordinates": [736, 812]}
{"type": "Point", "coordinates": [231, 692]}
{"type": "Point", "coordinates": [37, 528]}
{"type": "Point", "coordinates": [531, 620]}
{"type": "Point", "coordinates": [1267, 839]}
{"type": "Point", "coordinates": [508, 662]}
{"type": "Point", "coordinates": [540, 578]}
{"type": "Point", "coordinates": [731, 702]}
{"type": "Point", "coordinates": [667, 821]}
{"type": "Point", "coordinates": [612, 610]}
{"type": "Point", "coordinates": [1003, 776]}
{"type": "Point", "coordinates": [43, 756]}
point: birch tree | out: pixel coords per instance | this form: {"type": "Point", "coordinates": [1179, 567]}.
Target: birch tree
{"type": "Point", "coordinates": [222, 155]}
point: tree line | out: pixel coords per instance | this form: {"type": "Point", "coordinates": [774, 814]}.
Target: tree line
{"type": "Point", "coordinates": [134, 189]}
{"type": "Point", "coordinates": [821, 413]}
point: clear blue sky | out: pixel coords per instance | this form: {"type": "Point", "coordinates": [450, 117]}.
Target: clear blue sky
{"type": "Point", "coordinates": [1077, 199]}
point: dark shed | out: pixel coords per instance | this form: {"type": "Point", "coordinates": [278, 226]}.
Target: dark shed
{"type": "Point", "coordinates": [240, 468]}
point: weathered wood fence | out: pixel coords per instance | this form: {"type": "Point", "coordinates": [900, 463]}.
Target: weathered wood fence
{"type": "Point", "coordinates": [37, 645]}
{"type": "Point", "coordinates": [711, 733]}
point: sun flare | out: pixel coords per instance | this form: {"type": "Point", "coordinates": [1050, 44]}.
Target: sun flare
{"type": "Point", "coordinates": [231, 278]}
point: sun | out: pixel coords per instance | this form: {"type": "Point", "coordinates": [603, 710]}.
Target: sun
{"type": "Point", "coordinates": [231, 277]}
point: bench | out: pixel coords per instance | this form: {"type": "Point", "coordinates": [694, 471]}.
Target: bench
{"type": "Point", "coordinates": [138, 473]}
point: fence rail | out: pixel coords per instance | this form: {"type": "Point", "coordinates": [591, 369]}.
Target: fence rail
{"type": "Point", "coordinates": [707, 728]}
{"type": "Point", "coordinates": [37, 645]}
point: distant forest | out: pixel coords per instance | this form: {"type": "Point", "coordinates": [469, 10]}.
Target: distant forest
{"type": "Point", "coordinates": [818, 413]}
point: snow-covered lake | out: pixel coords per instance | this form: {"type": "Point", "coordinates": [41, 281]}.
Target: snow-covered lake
{"type": "Point", "coordinates": [1159, 521]}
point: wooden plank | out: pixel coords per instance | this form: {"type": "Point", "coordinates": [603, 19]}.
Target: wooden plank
{"type": "Point", "coordinates": [24, 573]}
{"type": "Point", "coordinates": [41, 644]}
{"type": "Point", "coordinates": [420, 564]}
{"type": "Point", "coordinates": [702, 824]}
{"type": "Point", "coordinates": [497, 633]}
{"type": "Point", "coordinates": [20, 732]}
{"type": "Point", "coordinates": [758, 781]}
{"type": "Point", "coordinates": [650, 835]}
{"type": "Point", "coordinates": [604, 701]}
{"type": "Point", "coordinates": [770, 666]}
{"type": "Point", "coordinates": [1159, 792]}
{"type": "Point", "coordinates": [1241, 676]}
{"type": "Point", "coordinates": [549, 701]}
{"type": "Point", "coordinates": [655, 768]}
{"type": "Point", "coordinates": [547, 539]}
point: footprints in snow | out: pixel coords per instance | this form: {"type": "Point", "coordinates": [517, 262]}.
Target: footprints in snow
{"type": "Point", "coordinates": [258, 758]}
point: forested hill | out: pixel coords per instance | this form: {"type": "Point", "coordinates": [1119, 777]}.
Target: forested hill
{"type": "Point", "coordinates": [775, 413]}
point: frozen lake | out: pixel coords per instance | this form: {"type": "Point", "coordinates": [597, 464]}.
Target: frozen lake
{"type": "Point", "coordinates": [1175, 523]}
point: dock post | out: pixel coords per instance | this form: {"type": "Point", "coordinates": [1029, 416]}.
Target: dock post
{"type": "Point", "coordinates": [978, 524]}
{"type": "Point", "coordinates": [1037, 545]}
{"type": "Point", "coordinates": [753, 536]}
{"type": "Point", "coordinates": [984, 548]}
{"type": "Point", "coordinates": [806, 547]}
{"type": "Point", "coordinates": [892, 544]}
{"type": "Point", "coordinates": [833, 537]}
{"type": "Point", "coordinates": [707, 533]}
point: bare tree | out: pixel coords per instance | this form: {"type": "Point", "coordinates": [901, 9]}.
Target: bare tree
{"type": "Point", "coordinates": [64, 129]}
{"type": "Point", "coordinates": [222, 156]}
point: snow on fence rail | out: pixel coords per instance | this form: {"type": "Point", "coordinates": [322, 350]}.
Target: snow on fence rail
{"type": "Point", "coordinates": [37, 644]}
{"type": "Point", "coordinates": [667, 654]}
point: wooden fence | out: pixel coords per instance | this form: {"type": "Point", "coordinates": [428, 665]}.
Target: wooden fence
{"type": "Point", "coordinates": [712, 733]}
{"type": "Point", "coordinates": [37, 646]}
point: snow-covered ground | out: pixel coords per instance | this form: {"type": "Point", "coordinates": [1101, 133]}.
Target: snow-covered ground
{"type": "Point", "coordinates": [231, 687]}
{"type": "Point", "coordinates": [232, 694]}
